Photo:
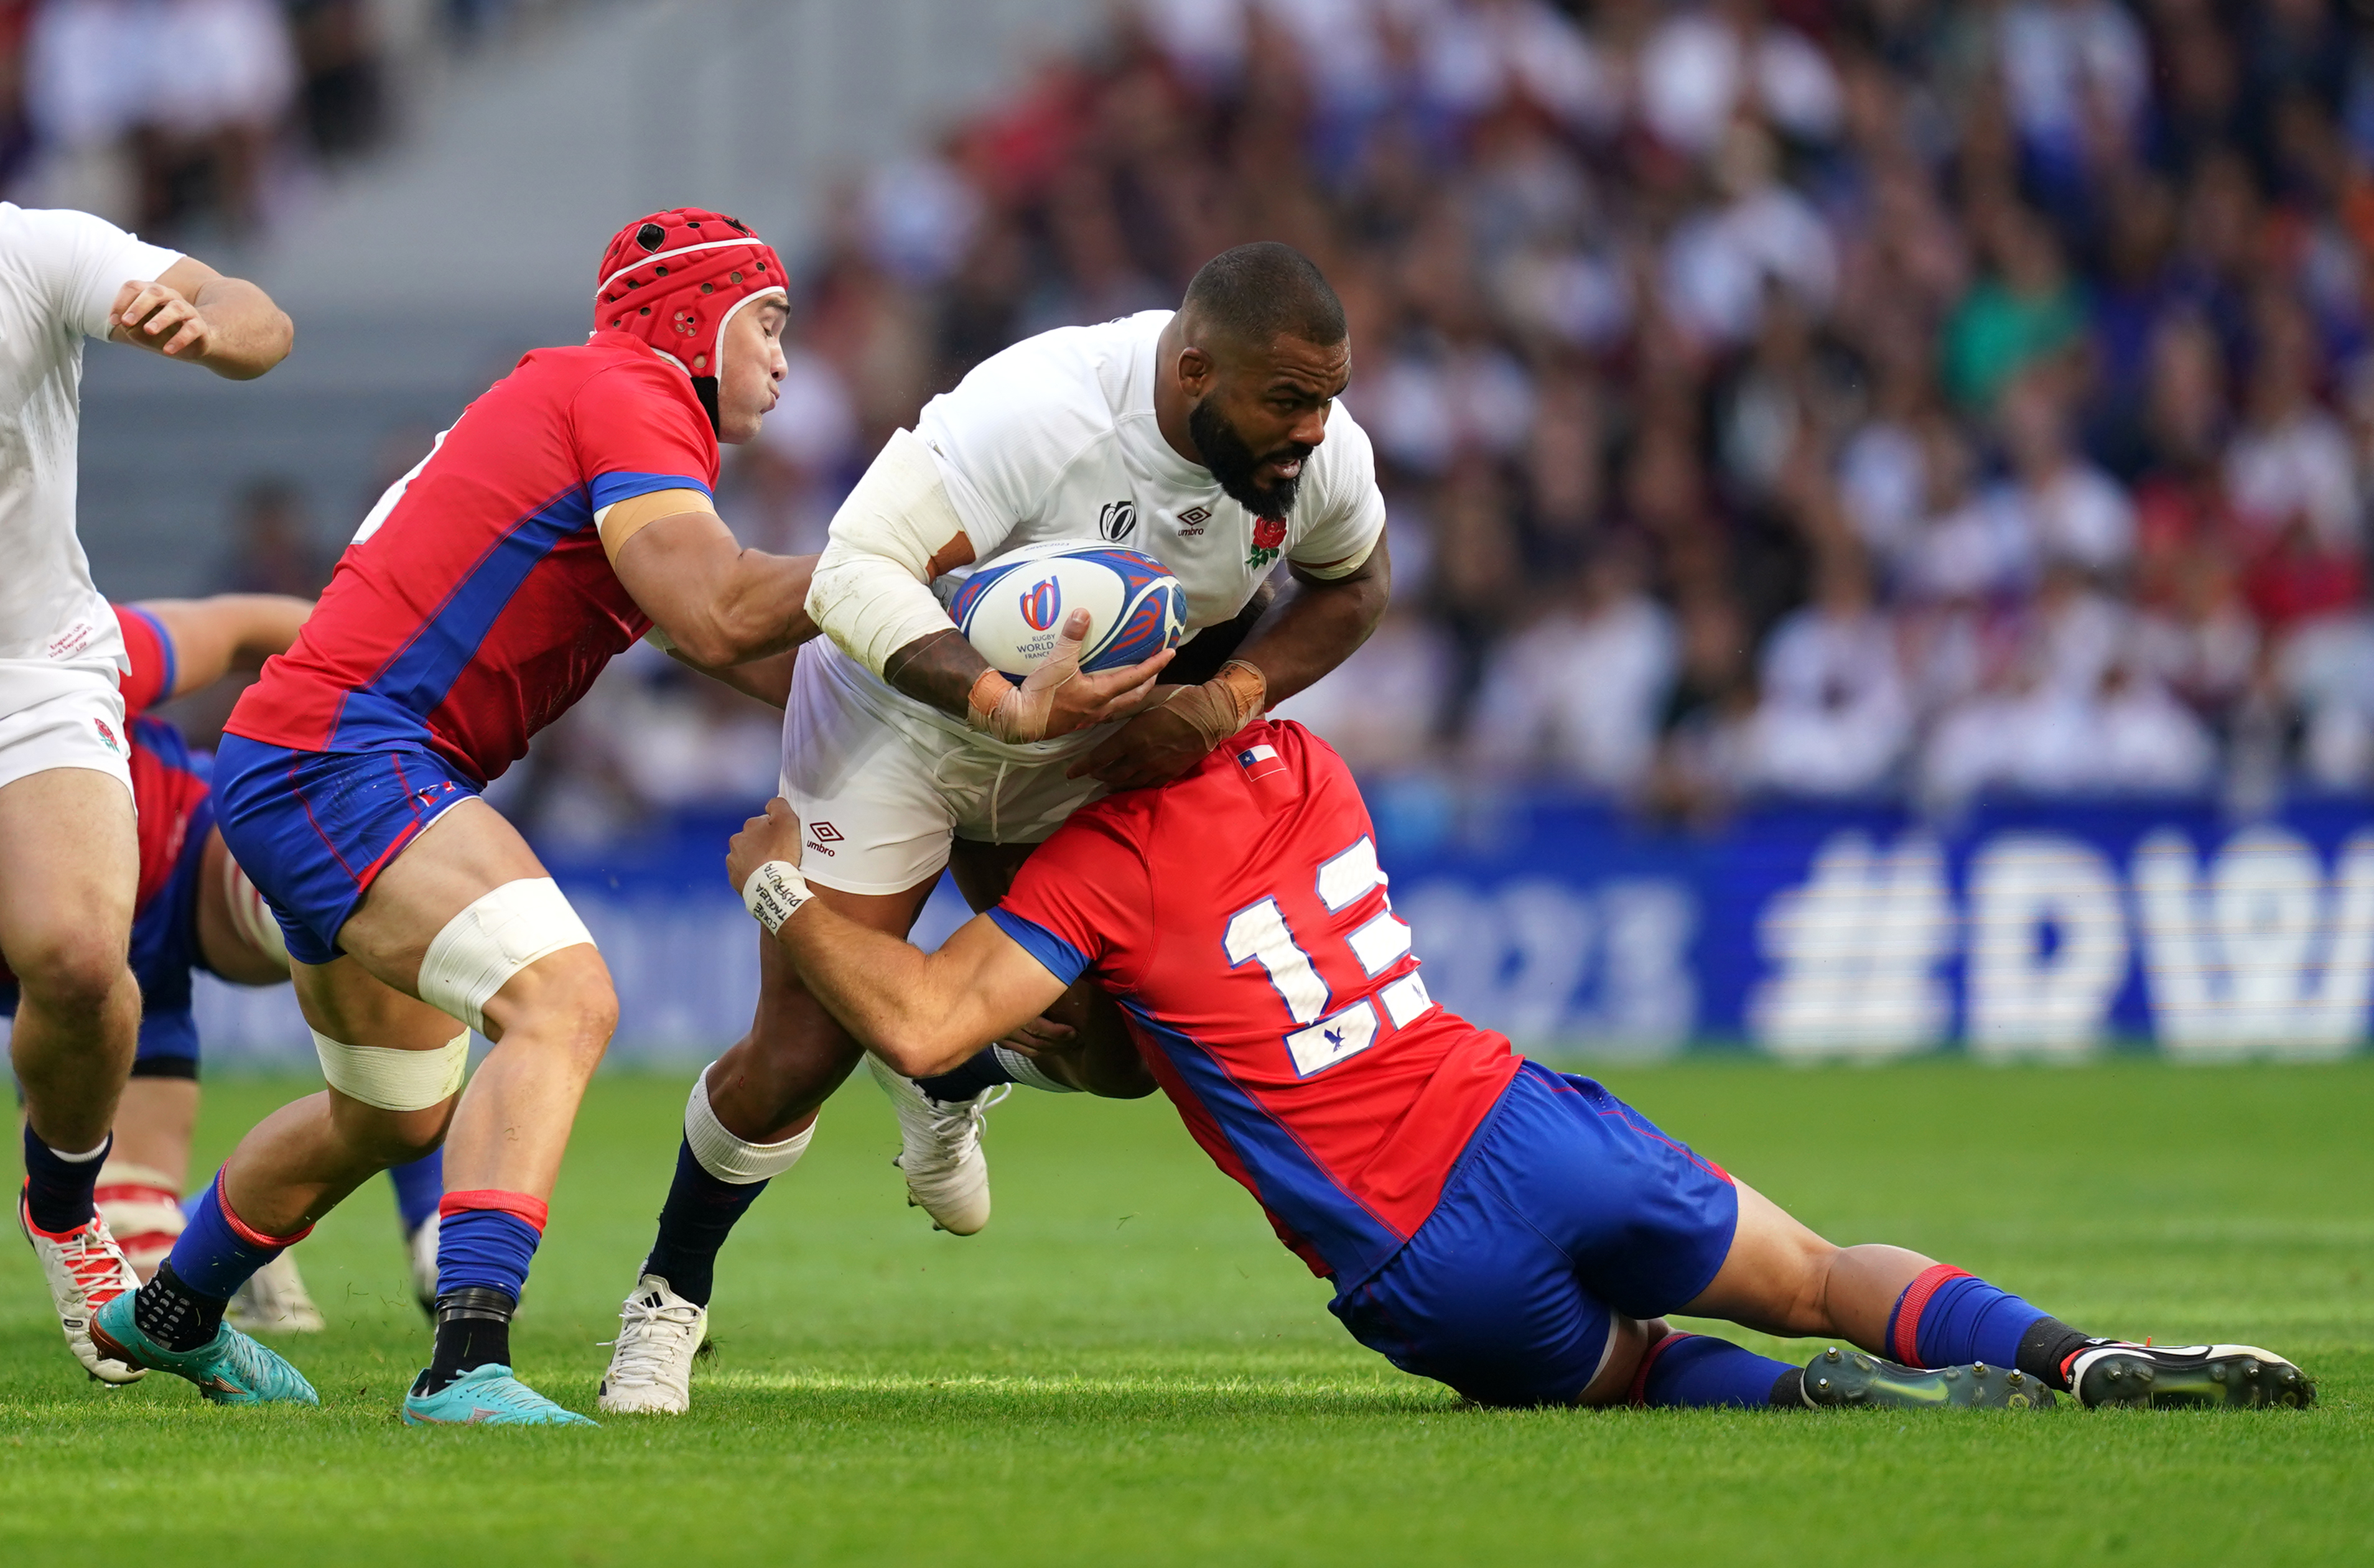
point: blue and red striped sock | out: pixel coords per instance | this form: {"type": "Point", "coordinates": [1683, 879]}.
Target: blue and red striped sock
{"type": "Point", "coordinates": [183, 1306]}
{"type": "Point", "coordinates": [1949, 1317]}
{"type": "Point", "coordinates": [485, 1241]}
{"type": "Point", "coordinates": [1698, 1370]}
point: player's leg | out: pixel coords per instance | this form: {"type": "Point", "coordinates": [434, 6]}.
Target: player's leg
{"type": "Point", "coordinates": [69, 868]}
{"type": "Point", "coordinates": [419, 1187]}
{"type": "Point", "coordinates": [1782, 1278]}
{"type": "Point", "coordinates": [749, 1118]}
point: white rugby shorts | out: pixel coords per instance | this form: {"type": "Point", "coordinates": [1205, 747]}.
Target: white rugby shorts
{"type": "Point", "coordinates": [881, 794]}
{"type": "Point", "coordinates": [61, 715]}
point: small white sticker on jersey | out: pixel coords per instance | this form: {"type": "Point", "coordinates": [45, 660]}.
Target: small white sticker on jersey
{"type": "Point", "coordinates": [1330, 1040]}
{"type": "Point", "coordinates": [1349, 875]}
{"type": "Point", "coordinates": [1380, 943]}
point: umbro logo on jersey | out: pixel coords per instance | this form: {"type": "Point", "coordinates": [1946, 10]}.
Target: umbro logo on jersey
{"type": "Point", "coordinates": [1192, 520]}
{"type": "Point", "coordinates": [1117, 521]}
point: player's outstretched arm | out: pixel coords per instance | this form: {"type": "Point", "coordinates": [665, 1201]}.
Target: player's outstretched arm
{"type": "Point", "coordinates": [719, 604]}
{"type": "Point", "coordinates": [231, 631]}
{"type": "Point", "coordinates": [196, 313]}
{"type": "Point", "coordinates": [923, 1013]}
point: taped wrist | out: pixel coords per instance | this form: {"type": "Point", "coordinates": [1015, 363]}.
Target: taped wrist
{"type": "Point", "coordinates": [773, 892]}
{"type": "Point", "coordinates": [1016, 715]}
{"type": "Point", "coordinates": [1223, 705]}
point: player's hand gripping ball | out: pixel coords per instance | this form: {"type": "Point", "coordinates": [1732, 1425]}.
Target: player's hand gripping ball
{"type": "Point", "coordinates": [1012, 609]}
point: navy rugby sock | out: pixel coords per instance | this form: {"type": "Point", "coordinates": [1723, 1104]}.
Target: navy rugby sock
{"type": "Point", "coordinates": [1948, 1317]}
{"type": "Point", "coordinates": [1699, 1370]}
{"type": "Point", "coordinates": [58, 1186]}
{"type": "Point", "coordinates": [699, 1214]}
{"type": "Point", "coordinates": [419, 1187]}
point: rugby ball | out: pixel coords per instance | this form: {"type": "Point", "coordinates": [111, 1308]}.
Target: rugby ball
{"type": "Point", "coordinates": [1012, 609]}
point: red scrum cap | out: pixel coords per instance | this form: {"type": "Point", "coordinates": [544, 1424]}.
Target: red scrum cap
{"type": "Point", "coordinates": [674, 278]}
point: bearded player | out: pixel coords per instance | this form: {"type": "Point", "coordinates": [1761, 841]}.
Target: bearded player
{"type": "Point", "coordinates": [566, 513]}
{"type": "Point", "coordinates": [197, 910]}
{"type": "Point", "coordinates": [1209, 438]}
{"type": "Point", "coordinates": [69, 846]}
{"type": "Point", "coordinates": [1516, 1233]}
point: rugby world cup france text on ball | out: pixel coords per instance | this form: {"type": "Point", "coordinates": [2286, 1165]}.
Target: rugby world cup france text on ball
{"type": "Point", "coordinates": [1042, 611]}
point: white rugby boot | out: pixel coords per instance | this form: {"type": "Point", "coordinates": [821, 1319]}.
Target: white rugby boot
{"type": "Point", "coordinates": [650, 1361]}
{"type": "Point", "coordinates": [948, 1176]}
{"type": "Point", "coordinates": [275, 1301]}
{"type": "Point", "coordinates": [421, 1246]}
{"type": "Point", "coordinates": [86, 1270]}
{"type": "Point", "coordinates": [2110, 1372]}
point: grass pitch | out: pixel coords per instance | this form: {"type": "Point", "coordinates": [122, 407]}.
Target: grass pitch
{"type": "Point", "coordinates": [1125, 1369]}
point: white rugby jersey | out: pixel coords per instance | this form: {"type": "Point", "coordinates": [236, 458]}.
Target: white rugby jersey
{"type": "Point", "coordinates": [1055, 439]}
{"type": "Point", "coordinates": [59, 275]}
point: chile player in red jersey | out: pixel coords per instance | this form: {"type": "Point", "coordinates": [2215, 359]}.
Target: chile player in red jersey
{"type": "Point", "coordinates": [566, 513]}
{"type": "Point", "coordinates": [1516, 1233]}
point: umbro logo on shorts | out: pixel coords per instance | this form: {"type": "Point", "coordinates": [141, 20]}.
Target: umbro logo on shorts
{"type": "Point", "coordinates": [821, 834]}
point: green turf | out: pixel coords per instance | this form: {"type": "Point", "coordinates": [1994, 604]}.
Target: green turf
{"type": "Point", "coordinates": [1125, 1369]}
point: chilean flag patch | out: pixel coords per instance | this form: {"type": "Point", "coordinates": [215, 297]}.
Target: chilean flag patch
{"type": "Point", "coordinates": [1261, 762]}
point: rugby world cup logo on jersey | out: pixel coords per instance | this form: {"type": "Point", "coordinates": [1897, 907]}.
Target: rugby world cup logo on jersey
{"type": "Point", "coordinates": [1042, 603]}
{"type": "Point", "coordinates": [1117, 521]}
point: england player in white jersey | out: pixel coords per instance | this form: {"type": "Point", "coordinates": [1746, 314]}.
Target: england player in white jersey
{"type": "Point", "coordinates": [1209, 438]}
{"type": "Point", "coordinates": [69, 857]}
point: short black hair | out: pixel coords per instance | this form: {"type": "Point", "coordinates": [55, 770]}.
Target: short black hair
{"type": "Point", "coordinates": [1260, 292]}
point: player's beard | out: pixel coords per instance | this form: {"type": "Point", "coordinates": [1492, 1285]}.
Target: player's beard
{"type": "Point", "coordinates": [1235, 464]}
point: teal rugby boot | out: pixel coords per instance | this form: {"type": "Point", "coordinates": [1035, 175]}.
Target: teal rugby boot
{"type": "Point", "coordinates": [487, 1396]}
{"type": "Point", "coordinates": [1848, 1379]}
{"type": "Point", "coordinates": [230, 1369]}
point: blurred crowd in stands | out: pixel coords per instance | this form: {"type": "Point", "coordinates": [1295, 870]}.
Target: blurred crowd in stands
{"type": "Point", "coordinates": [1837, 398]}
{"type": "Point", "coordinates": [193, 118]}
{"type": "Point", "coordinates": [1816, 397]}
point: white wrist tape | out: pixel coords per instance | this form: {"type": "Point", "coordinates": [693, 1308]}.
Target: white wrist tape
{"type": "Point", "coordinates": [774, 891]}
{"type": "Point", "coordinates": [251, 917]}
{"type": "Point", "coordinates": [728, 1158]}
{"type": "Point", "coordinates": [871, 593]}
{"type": "Point", "coordinates": [394, 1079]}
{"type": "Point", "coordinates": [481, 948]}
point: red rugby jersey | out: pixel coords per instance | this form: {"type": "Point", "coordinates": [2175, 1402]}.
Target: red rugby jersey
{"type": "Point", "coordinates": [1239, 917]}
{"type": "Point", "coordinates": [476, 604]}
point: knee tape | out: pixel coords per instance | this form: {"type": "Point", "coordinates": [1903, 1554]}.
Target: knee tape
{"type": "Point", "coordinates": [481, 948]}
{"type": "Point", "coordinates": [394, 1079]}
{"type": "Point", "coordinates": [251, 916]}
{"type": "Point", "coordinates": [725, 1157]}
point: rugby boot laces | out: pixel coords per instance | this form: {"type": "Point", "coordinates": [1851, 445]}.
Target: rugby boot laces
{"type": "Point", "coordinates": [650, 1361]}
{"type": "Point", "coordinates": [86, 1270]}
{"type": "Point", "coordinates": [230, 1369]}
{"type": "Point", "coordinates": [275, 1301]}
{"type": "Point", "coordinates": [2169, 1377]}
{"type": "Point", "coordinates": [948, 1176]}
{"type": "Point", "coordinates": [487, 1396]}
{"type": "Point", "coordinates": [1844, 1378]}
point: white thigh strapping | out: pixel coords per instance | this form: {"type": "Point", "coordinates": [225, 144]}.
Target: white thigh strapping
{"type": "Point", "coordinates": [251, 916]}
{"type": "Point", "coordinates": [55, 716]}
{"type": "Point", "coordinates": [394, 1079]}
{"type": "Point", "coordinates": [728, 1158]}
{"type": "Point", "coordinates": [481, 948]}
